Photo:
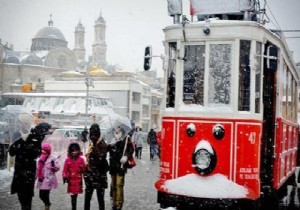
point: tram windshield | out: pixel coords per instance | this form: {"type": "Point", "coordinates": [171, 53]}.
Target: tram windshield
{"type": "Point", "coordinates": [219, 74]}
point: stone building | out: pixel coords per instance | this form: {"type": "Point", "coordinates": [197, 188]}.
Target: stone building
{"type": "Point", "coordinates": [51, 67]}
{"type": "Point", "coordinates": [49, 55]}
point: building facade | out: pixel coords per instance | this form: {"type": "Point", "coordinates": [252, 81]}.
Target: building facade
{"type": "Point", "coordinates": [50, 55]}
{"type": "Point", "coordinates": [130, 97]}
{"type": "Point", "coordinates": [51, 67]}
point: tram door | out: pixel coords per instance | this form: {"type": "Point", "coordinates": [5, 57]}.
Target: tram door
{"type": "Point", "coordinates": [269, 103]}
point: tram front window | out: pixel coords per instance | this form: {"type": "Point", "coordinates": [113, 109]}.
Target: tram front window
{"type": "Point", "coordinates": [193, 76]}
{"type": "Point", "coordinates": [220, 68]}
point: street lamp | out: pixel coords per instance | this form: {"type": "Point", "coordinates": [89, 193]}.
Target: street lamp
{"type": "Point", "coordinates": [88, 82]}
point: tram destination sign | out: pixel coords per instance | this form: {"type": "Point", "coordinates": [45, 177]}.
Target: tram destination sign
{"type": "Point", "coordinates": [209, 7]}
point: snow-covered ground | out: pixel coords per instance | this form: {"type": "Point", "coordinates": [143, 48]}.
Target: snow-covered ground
{"type": "Point", "coordinates": [5, 178]}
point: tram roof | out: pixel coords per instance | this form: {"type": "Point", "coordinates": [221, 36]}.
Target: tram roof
{"type": "Point", "coordinates": [231, 29]}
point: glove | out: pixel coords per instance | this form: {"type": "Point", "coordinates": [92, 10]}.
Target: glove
{"type": "Point", "coordinates": [65, 180]}
{"type": "Point", "coordinates": [41, 179]}
{"type": "Point", "coordinates": [123, 160]}
{"type": "Point", "coordinates": [52, 163]}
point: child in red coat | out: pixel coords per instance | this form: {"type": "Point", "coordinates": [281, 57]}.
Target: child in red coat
{"type": "Point", "coordinates": [73, 172]}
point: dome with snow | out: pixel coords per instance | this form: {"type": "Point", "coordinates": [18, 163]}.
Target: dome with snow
{"type": "Point", "coordinates": [32, 59]}
{"type": "Point", "coordinates": [48, 38]}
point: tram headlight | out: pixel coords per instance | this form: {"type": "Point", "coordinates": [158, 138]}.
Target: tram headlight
{"type": "Point", "coordinates": [191, 129]}
{"type": "Point", "coordinates": [206, 30]}
{"type": "Point", "coordinates": [204, 160]}
{"type": "Point", "coordinates": [218, 131]}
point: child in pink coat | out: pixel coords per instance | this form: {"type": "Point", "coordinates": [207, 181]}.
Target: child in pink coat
{"type": "Point", "coordinates": [74, 167]}
{"type": "Point", "coordinates": [46, 169]}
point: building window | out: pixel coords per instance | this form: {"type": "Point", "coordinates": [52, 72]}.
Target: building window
{"type": "Point", "coordinates": [135, 116]}
{"type": "Point", "coordinates": [136, 97]}
{"type": "Point", "coordinates": [155, 102]}
{"type": "Point", "coordinates": [145, 111]}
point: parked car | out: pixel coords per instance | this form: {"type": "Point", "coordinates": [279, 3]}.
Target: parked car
{"type": "Point", "coordinates": [71, 134]}
{"type": "Point", "coordinates": [61, 138]}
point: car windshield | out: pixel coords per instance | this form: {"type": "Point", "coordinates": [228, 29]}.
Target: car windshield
{"type": "Point", "coordinates": [59, 131]}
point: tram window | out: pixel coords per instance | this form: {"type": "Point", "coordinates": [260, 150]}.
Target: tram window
{"type": "Point", "coordinates": [258, 77]}
{"type": "Point", "coordinates": [284, 91]}
{"type": "Point", "coordinates": [171, 75]}
{"type": "Point", "coordinates": [289, 98]}
{"type": "Point", "coordinates": [220, 70]}
{"type": "Point", "coordinates": [244, 76]}
{"type": "Point", "coordinates": [295, 100]}
{"type": "Point", "coordinates": [193, 75]}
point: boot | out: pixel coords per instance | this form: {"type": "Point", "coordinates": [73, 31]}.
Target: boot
{"type": "Point", "coordinates": [47, 206]}
{"type": "Point", "coordinates": [116, 208]}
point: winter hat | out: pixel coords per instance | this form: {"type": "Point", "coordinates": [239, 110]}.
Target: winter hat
{"type": "Point", "coordinates": [46, 147]}
{"type": "Point", "coordinates": [41, 129]}
{"type": "Point", "coordinates": [73, 147]}
{"type": "Point", "coordinates": [95, 129]}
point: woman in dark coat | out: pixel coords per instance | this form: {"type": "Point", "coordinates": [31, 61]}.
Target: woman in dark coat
{"type": "Point", "coordinates": [26, 150]}
{"type": "Point", "coordinates": [117, 166]}
{"type": "Point", "coordinates": [95, 175]}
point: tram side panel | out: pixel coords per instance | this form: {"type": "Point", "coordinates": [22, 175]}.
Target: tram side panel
{"type": "Point", "coordinates": [247, 159]}
{"type": "Point", "coordinates": [286, 146]}
{"type": "Point", "coordinates": [167, 149]}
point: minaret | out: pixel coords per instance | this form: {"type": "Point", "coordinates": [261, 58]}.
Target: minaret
{"type": "Point", "coordinates": [79, 49]}
{"type": "Point", "coordinates": [99, 46]}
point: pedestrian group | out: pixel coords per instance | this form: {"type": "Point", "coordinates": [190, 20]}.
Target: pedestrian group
{"type": "Point", "coordinates": [93, 170]}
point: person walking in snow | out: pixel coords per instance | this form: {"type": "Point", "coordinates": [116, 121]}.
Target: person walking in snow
{"type": "Point", "coordinates": [74, 167]}
{"type": "Point", "coordinates": [139, 142]}
{"type": "Point", "coordinates": [133, 139]}
{"type": "Point", "coordinates": [95, 175]}
{"type": "Point", "coordinates": [26, 150]}
{"type": "Point", "coordinates": [46, 169]}
{"type": "Point", "coordinates": [152, 141]}
{"type": "Point", "coordinates": [84, 135]}
{"type": "Point", "coordinates": [119, 152]}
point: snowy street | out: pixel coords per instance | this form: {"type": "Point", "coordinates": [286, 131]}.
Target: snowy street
{"type": "Point", "coordinates": [139, 190]}
{"type": "Point", "coordinates": [140, 193]}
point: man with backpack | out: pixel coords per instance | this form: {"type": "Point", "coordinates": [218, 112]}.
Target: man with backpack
{"type": "Point", "coordinates": [152, 141]}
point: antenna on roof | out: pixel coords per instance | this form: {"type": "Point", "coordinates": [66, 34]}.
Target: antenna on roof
{"type": "Point", "coordinates": [50, 22]}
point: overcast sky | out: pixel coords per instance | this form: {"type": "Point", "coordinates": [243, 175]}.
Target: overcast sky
{"type": "Point", "coordinates": [131, 24]}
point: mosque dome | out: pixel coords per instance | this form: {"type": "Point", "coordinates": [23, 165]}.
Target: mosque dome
{"type": "Point", "coordinates": [32, 59]}
{"type": "Point", "coordinates": [50, 32]}
{"type": "Point", "coordinates": [48, 38]}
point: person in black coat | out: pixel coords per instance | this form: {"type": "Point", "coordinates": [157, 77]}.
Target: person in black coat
{"type": "Point", "coordinates": [152, 141]}
{"type": "Point", "coordinates": [118, 156]}
{"type": "Point", "coordinates": [26, 150]}
{"type": "Point", "coordinates": [95, 175]}
{"type": "Point", "coordinates": [84, 135]}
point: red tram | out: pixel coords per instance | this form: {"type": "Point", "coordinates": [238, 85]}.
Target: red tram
{"type": "Point", "coordinates": [229, 127]}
